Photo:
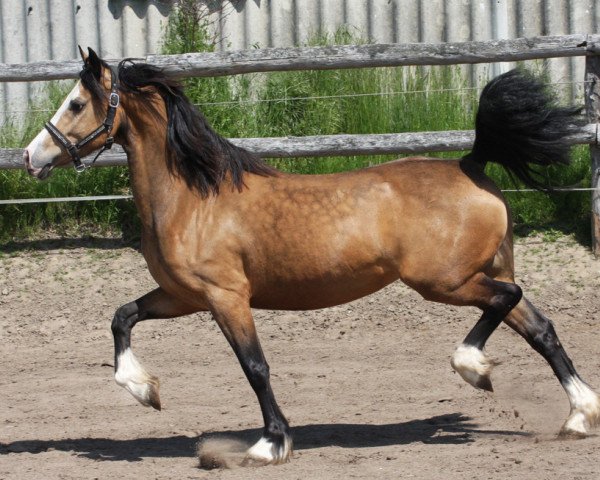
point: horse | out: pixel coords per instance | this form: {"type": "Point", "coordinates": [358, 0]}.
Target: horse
{"type": "Point", "coordinates": [224, 232]}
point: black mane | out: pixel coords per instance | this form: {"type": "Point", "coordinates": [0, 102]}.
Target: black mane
{"type": "Point", "coordinates": [195, 152]}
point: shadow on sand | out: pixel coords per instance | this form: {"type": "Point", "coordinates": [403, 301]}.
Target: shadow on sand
{"type": "Point", "coordinates": [451, 429]}
{"type": "Point", "coordinates": [49, 244]}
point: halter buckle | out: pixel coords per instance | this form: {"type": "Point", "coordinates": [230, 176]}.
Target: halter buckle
{"type": "Point", "coordinates": [79, 166]}
{"type": "Point", "coordinates": [113, 100]}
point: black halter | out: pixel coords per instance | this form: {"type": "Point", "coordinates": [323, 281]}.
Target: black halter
{"type": "Point", "coordinates": [73, 149]}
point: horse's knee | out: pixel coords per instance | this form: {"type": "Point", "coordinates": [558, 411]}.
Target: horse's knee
{"type": "Point", "coordinates": [124, 318]}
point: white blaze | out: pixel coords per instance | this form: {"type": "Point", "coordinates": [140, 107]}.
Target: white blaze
{"type": "Point", "coordinates": [38, 157]}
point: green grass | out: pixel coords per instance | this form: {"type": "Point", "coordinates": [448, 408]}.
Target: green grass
{"type": "Point", "coordinates": [416, 99]}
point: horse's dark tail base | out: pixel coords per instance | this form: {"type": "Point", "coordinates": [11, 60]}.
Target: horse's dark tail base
{"type": "Point", "coordinates": [519, 126]}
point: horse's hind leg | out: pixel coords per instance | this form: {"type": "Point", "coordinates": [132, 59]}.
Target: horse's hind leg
{"type": "Point", "coordinates": [496, 299]}
{"type": "Point", "coordinates": [232, 313]}
{"type": "Point", "coordinates": [129, 373]}
{"type": "Point", "coordinates": [539, 332]}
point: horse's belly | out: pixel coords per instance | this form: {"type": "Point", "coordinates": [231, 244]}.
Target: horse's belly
{"type": "Point", "coordinates": [314, 293]}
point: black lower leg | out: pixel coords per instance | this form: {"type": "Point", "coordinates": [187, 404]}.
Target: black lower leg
{"type": "Point", "coordinates": [256, 368]}
{"type": "Point", "coordinates": [482, 330]}
{"type": "Point", "coordinates": [155, 304]}
{"type": "Point", "coordinates": [539, 332]}
{"type": "Point", "coordinates": [541, 335]}
{"type": "Point", "coordinates": [123, 321]}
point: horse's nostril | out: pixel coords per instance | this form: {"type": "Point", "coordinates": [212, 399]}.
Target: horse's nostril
{"type": "Point", "coordinates": [26, 158]}
{"type": "Point", "coordinates": [28, 166]}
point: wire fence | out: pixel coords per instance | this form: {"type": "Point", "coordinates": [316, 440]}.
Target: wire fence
{"type": "Point", "coordinates": [23, 201]}
{"type": "Point", "coordinates": [98, 198]}
{"type": "Point", "coordinates": [255, 101]}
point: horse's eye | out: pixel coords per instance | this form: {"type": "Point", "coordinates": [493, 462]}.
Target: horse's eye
{"type": "Point", "coordinates": [76, 106]}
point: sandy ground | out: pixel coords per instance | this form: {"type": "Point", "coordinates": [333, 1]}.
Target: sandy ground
{"type": "Point", "coordinates": [367, 387]}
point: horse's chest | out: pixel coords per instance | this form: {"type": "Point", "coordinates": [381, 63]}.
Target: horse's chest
{"type": "Point", "coordinates": [164, 272]}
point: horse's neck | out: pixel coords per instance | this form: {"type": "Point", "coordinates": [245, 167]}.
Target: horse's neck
{"type": "Point", "coordinates": [155, 189]}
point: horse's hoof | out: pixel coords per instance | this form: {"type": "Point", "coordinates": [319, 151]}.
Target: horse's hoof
{"type": "Point", "coordinates": [585, 409]}
{"type": "Point", "coordinates": [485, 383]}
{"type": "Point", "coordinates": [576, 427]}
{"type": "Point", "coordinates": [566, 434]}
{"type": "Point", "coordinates": [147, 393]}
{"type": "Point", "coordinates": [254, 462]}
{"type": "Point", "coordinates": [269, 452]}
{"type": "Point", "coordinates": [136, 380]}
{"type": "Point", "coordinates": [144, 391]}
{"type": "Point", "coordinates": [153, 396]}
{"type": "Point", "coordinates": [473, 366]}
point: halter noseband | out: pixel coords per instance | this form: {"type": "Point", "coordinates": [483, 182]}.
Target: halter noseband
{"type": "Point", "coordinates": [73, 148]}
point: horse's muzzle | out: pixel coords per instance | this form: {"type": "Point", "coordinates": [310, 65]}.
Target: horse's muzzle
{"type": "Point", "coordinates": [39, 173]}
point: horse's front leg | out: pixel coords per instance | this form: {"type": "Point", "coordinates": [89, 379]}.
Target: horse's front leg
{"type": "Point", "coordinates": [232, 313]}
{"type": "Point", "coordinates": [129, 373]}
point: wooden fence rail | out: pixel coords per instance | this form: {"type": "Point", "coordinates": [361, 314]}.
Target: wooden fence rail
{"type": "Point", "coordinates": [331, 57]}
{"type": "Point", "coordinates": [326, 146]}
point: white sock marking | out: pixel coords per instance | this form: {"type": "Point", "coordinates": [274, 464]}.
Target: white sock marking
{"type": "Point", "coordinates": [471, 363]}
{"type": "Point", "coordinates": [585, 407]}
{"type": "Point", "coordinates": [131, 375]}
{"type": "Point", "coordinates": [266, 451]}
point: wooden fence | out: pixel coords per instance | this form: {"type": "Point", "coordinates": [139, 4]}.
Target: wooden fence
{"type": "Point", "coordinates": [358, 56]}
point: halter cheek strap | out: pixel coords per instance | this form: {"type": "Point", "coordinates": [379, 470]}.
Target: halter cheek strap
{"type": "Point", "coordinates": [73, 148]}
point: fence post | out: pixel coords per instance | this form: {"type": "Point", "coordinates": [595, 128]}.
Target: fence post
{"type": "Point", "coordinates": [592, 104]}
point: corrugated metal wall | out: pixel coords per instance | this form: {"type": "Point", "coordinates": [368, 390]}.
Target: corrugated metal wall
{"type": "Point", "coordinates": [33, 30]}
{"type": "Point", "coordinates": [285, 22]}
{"type": "Point", "coordinates": [259, 23]}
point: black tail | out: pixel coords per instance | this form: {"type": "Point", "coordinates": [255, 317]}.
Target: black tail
{"type": "Point", "coordinates": [519, 125]}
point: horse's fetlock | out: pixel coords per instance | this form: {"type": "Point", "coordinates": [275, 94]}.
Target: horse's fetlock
{"type": "Point", "coordinates": [277, 429]}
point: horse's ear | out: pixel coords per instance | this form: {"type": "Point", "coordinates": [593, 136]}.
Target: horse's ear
{"type": "Point", "coordinates": [84, 56]}
{"type": "Point", "coordinates": [93, 60]}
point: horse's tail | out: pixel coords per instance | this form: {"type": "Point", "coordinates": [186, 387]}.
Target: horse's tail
{"type": "Point", "coordinates": [519, 125]}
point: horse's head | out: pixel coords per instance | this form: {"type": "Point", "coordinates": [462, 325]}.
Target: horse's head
{"type": "Point", "coordinates": [85, 122]}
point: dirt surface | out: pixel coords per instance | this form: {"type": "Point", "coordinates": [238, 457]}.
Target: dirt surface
{"type": "Point", "coordinates": [367, 387]}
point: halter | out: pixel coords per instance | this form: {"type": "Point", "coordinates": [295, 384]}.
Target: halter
{"type": "Point", "coordinates": [73, 149]}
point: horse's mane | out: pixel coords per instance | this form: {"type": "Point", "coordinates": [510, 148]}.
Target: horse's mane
{"type": "Point", "coordinates": [195, 152]}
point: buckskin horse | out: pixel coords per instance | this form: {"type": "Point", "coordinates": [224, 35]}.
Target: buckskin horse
{"type": "Point", "coordinates": [224, 232]}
